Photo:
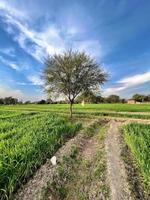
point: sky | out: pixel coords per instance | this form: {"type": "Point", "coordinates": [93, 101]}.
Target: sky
{"type": "Point", "coordinates": [115, 32]}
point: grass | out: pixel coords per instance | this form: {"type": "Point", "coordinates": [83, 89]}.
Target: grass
{"type": "Point", "coordinates": [29, 134]}
{"type": "Point", "coordinates": [137, 137]}
{"type": "Point", "coordinates": [89, 110]}
{"type": "Point", "coordinates": [78, 108]}
{"type": "Point", "coordinates": [26, 141]}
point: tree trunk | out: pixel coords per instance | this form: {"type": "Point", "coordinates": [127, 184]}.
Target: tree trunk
{"type": "Point", "coordinates": [71, 104]}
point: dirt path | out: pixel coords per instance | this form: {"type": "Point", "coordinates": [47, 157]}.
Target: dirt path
{"type": "Point", "coordinates": [88, 171]}
{"type": "Point", "coordinates": [34, 188]}
{"type": "Point", "coordinates": [90, 148]}
{"type": "Point", "coordinates": [116, 172]}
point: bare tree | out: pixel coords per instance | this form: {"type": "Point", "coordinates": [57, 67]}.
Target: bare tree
{"type": "Point", "coordinates": [71, 74]}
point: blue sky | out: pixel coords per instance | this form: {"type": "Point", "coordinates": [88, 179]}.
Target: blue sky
{"type": "Point", "coordinates": [115, 32]}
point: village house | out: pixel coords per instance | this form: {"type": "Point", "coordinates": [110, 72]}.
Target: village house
{"type": "Point", "coordinates": [131, 101]}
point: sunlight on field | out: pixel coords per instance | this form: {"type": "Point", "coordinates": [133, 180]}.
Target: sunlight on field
{"type": "Point", "coordinates": [80, 108]}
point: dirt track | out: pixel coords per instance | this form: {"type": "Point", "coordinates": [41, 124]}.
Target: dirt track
{"type": "Point", "coordinates": [116, 172]}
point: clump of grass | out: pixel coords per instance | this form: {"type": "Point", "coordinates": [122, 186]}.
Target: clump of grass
{"type": "Point", "coordinates": [137, 138]}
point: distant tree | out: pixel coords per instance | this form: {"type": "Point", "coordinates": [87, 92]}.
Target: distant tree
{"type": "Point", "coordinates": [1, 101]}
{"type": "Point", "coordinates": [10, 100]}
{"type": "Point", "coordinates": [71, 74]}
{"type": "Point", "coordinates": [148, 98]}
{"type": "Point", "coordinates": [113, 99]}
{"type": "Point", "coordinates": [89, 97]}
{"type": "Point", "coordinates": [41, 101]}
{"type": "Point", "coordinates": [27, 102]}
{"type": "Point", "coordinates": [49, 101]}
{"type": "Point", "coordinates": [139, 97]}
{"type": "Point", "coordinates": [123, 100]}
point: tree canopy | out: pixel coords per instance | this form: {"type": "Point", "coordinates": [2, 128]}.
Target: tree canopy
{"type": "Point", "coordinates": [71, 74]}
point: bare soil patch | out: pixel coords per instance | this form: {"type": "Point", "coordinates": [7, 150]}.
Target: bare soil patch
{"type": "Point", "coordinates": [82, 176]}
{"type": "Point", "coordinates": [116, 173]}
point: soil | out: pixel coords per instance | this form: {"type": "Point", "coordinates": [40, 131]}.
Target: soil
{"type": "Point", "coordinates": [116, 173]}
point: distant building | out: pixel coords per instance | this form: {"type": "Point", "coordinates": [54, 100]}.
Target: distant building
{"type": "Point", "coordinates": [131, 101]}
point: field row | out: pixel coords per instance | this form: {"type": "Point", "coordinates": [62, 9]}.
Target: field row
{"type": "Point", "coordinates": [79, 108]}
{"type": "Point", "coordinates": [137, 137]}
{"type": "Point", "coordinates": [26, 141]}
{"type": "Point", "coordinates": [89, 110]}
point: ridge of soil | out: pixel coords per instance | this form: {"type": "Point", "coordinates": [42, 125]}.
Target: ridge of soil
{"type": "Point", "coordinates": [82, 176]}
{"type": "Point", "coordinates": [116, 172]}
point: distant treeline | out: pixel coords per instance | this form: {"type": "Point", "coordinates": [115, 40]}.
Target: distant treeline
{"type": "Point", "coordinates": [9, 101]}
{"type": "Point", "coordinates": [86, 97]}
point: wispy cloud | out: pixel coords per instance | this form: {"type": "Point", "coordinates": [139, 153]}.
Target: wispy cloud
{"type": "Point", "coordinates": [35, 80]}
{"type": "Point", "coordinates": [9, 51]}
{"type": "Point", "coordinates": [128, 82]}
{"type": "Point", "coordinates": [51, 39]}
{"type": "Point", "coordinates": [135, 79]}
{"type": "Point", "coordinates": [9, 63]}
{"type": "Point", "coordinates": [14, 64]}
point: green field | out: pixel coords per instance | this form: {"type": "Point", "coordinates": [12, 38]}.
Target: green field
{"type": "Point", "coordinates": [29, 134]}
{"type": "Point", "coordinates": [26, 141]}
{"type": "Point", "coordinates": [79, 108]}
{"type": "Point", "coordinates": [138, 111]}
{"type": "Point", "coordinates": [137, 137]}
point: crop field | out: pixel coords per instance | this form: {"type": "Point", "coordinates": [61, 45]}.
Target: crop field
{"type": "Point", "coordinates": [79, 108]}
{"type": "Point", "coordinates": [26, 141]}
{"type": "Point", "coordinates": [31, 134]}
{"type": "Point", "coordinates": [139, 111]}
{"type": "Point", "coordinates": [137, 137]}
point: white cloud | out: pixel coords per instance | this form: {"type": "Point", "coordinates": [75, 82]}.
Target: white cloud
{"type": "Point", "coordinates": [9, 63]}
{"type": "Point", "coordinates": [92, 47]}
{"type": "Point", "coordinates": [128, 82]}
{"type": "Point", "coordinates": [35, 80]}
{"type": "Point", "coordinates": [49, 40]}
{"type": "Point", "coordinates": [22, 83]}
{"type": "Point", "coordinates": [135, 80]}
{"type": "Point", "coordinates": [9, 51]}
{"type": "Point", "coordinates": [16, 65]}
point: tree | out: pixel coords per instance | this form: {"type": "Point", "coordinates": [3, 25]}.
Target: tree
{"type": "Point", "coordinates": [139, 97]}
{"type": "Point", "coordinates": [89, 97]}
{"type": "Point", "coordinates": [10, 100]}
{"type": "Point", "coordinates": [71, 74]}
{"type": "Point", "coordinates": [41, 101]}
{"type": "Point", "coordinates": [1, 101]}
{"type": "Point", "coordinates": [49, 101]}
{"type": "Point", "coordinates": [113, 99]}
{"type": "Point", "coordinates": [27, 102]}
{"type": "Point", "coordinates": [123, 100]}
{"type": "Point", "coordinates": [148, 98]}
